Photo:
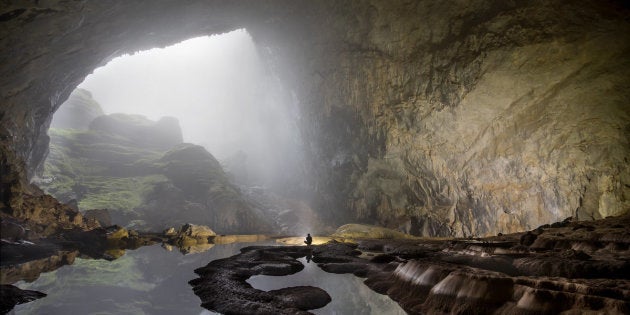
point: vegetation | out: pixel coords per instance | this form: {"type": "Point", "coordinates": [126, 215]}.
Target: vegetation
{"type": "Point", "coordinates": [100, 171]}
{"type": "Point", "coordinates": [143, 174]}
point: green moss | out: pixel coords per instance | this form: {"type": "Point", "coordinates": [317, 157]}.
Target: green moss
{"type": "Point", "coordinates": [103, 171]}
{"type": "Point", "coordinates": [117, 193]}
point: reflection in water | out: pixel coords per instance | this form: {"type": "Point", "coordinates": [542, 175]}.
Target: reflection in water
{"type": "Point", "coordinates": [149, 280]}
{"type": "Point", "coordinates": [349, 294]}
{"type": "Point", "coordinates": [152, 280]}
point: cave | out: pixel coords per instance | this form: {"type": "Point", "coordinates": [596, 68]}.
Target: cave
{"type": "Point", "coordinates": [479, 128]}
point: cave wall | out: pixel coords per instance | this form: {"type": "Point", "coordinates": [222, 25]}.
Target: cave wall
{"type": "Point", "coordinates": [444, 117]}
{"type": "Point", "coordinates": [471, 117]}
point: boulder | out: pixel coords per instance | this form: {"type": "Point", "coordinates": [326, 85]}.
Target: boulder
{"type": "Point", "coordinates": [195, 231]}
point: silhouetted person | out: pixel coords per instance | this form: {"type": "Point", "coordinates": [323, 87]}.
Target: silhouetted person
{"type": "Point", "coordinates": [309, 239]}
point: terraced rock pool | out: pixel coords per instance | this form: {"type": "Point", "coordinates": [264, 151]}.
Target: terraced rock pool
{"type": "Point", "coordinates": [154, 280]}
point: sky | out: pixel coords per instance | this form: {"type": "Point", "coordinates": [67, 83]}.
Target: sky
{"type": "Point", "coordinates": [217, 87]}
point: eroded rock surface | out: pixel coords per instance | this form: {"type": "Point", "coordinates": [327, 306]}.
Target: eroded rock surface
{"type": "Point", "coordinates": [222, 286]}
{"type": "Point", "coordinates": [470, 118]}
{"type": "Point", "coordinates": [572, 267]}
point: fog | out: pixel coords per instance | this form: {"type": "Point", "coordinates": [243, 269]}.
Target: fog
{"type": "Point", "coordinates": [223, 95]}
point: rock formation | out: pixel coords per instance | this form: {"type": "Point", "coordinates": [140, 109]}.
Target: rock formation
{"type": "Point", "coordinates": [471, 118]}
{"type": "Point", "coordinates": [12, 296]}
{"type": "Point", "coordinates": [571, 268]}
{"type": "Point", "coordinates": [222, 285]}
{"type": "Point", "coordinates": [463, 118]}
{"type": "Point", "coordinates": [141, 172]}
{"type": "Point", "coordinates": [77, 112]}
{"type": "Point", "coordinates": [163, 134]}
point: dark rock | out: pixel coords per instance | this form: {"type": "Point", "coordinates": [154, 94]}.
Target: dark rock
{"type": "Point", "coordinates": [461, 276]}
{"type": "Point", "coordinates": [73, 204]}
{"type": "Point", "coordinates": [222, 287]}
{"type": "Point", "coordinates": [575, 254]}
{"type": "Point", "coordinates": [344, 267]}
{"type": "Point", "coordinates": [383, 258]}
{"type": "Point", "coordinates": [11, 296]}
{"type": "Point", "coordinates": [528, 239]}
{"type": "Point", "coordinates": [303, 298]}
{"type": "Point", "coordinates": [582, 226]}
{"type": "Point", "coordinates": [11, 230]}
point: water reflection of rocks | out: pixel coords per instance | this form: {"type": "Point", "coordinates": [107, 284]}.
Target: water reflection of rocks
{"type": "Point", "coordinates": [584, 265]}
{"type": "Point", "coordinates": [23, 260]}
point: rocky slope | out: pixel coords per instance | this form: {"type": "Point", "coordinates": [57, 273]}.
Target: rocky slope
{"type": "Point", "coordinates": [454, 118]}
{"type": "Point", "coordinates": [142, 173]}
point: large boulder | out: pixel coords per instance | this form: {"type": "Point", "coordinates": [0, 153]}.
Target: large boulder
{"type": "Point", "coordinates": [196, 231]}
{"type": "Point", "coordinates": [194, 170]}
{"type": "Point", "coordinates": [193, 238]}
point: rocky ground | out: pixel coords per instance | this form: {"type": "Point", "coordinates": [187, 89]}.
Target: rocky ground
{"type": "Point", "coordinates": [567, 267]}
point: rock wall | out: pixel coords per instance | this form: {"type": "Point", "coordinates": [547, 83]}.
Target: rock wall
{"type": "Point", "coordinates": [470, 118]}
{"type": "Point", "coordinates": [449, 117]}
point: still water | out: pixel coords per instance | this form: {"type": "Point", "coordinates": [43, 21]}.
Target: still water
{"type": "Point", "coordinates": [349, 294]}
{"type": "Point", "coordinates": [152, 280]}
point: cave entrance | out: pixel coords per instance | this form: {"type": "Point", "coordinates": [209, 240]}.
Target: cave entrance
{"type": "Point", "coordinates": [185, 133]}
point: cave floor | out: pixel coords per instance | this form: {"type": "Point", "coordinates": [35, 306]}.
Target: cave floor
{"type": "Point", "coordinates": [567, 267]}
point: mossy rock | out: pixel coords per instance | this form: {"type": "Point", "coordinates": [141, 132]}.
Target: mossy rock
{"type": "Point", "coordinates": [194, 170]}
{"type": "Point", "coordinates": [164, 134]}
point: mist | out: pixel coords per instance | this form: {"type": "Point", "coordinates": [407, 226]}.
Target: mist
{"type": "Point", "coordinates": [223, 95]}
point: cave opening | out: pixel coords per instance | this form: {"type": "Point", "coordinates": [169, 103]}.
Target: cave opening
{"type": "Point", "coordinates": [203, 119]}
